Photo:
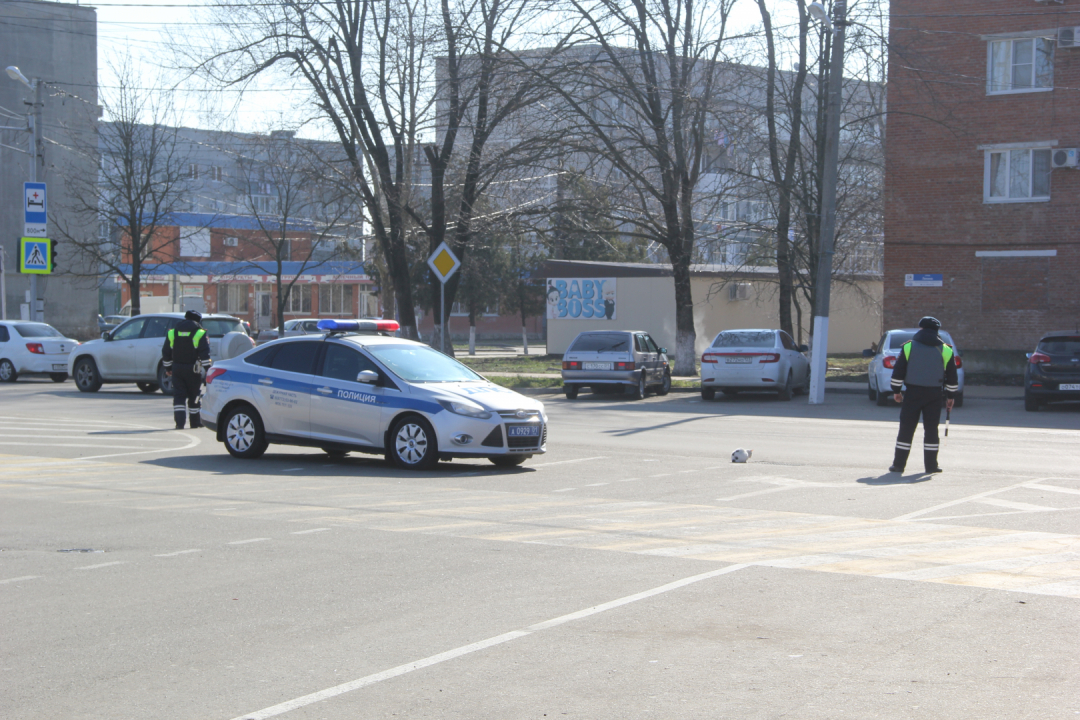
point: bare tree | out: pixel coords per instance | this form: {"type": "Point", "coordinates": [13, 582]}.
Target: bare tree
{"type": "Point", "coordinates": [121, 214]}
{"type": "Point", "coordinates": [299, 216]}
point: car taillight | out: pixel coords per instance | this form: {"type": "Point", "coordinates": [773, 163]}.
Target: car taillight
{"type": "Point", "coordinates": [214, 374]}
{"type": "Point", "coordinates": [959, 362]}
{"type": "Point", "coordinates": [707, 358]}
{"type": "Point", "coordinates": [35, 348]}
{"type": "Point", "coordinates": [889, 361]}
{"type": "Point", "coordinates": [625, 366]}
{"type": "Point", "coordinates": [770, 358]}
{"type": "Point", "coordinates": [571, 365]}
{"type": "Point", "coordinates": [1036, 358]}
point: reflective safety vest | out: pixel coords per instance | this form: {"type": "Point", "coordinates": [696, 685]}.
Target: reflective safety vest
{"type": "Point", "coordinates": [946, 353]}
{"type": "Point", "coordinates": [195, 340]}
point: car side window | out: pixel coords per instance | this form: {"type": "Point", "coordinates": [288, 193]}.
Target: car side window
{"type": "Point", "coordinates": [297, 357]}
{"type": "Point", "coordinates": [262, 357]}
{"type": "Point", "coordinates": [639, 344]}
{"type": "Point", "coordinates": [156, 327]}
{"type": "Point", "coordinates": [4, 334]}
{"type": "Point", "coordinates": [788, 343]}
{"type": "Point", "coordinates": [342, 363]}
{"type": "Point", "coordinates": [653, 347]}
{"type": "Point", "coordinates": [129, 330]}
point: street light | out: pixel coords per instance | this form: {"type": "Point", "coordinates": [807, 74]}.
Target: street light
{"type": "Point", "coordinates": [818, 362]}
{"type": "Point", "coordinates": [15, 74]}
{"type": "Point", "coordinates": [35, 127]}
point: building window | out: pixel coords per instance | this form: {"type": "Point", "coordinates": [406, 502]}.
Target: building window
{"type": "Point", "coordinates": [216, 173]}
{"type": "Point", "coordinates": [193, 171]}
{"type": "Point", "coordinates": [299, 300]}
{"type": "Point", "coordinates": [461, 310]}
{"type": "Point", "coordinates": [1020, 65]}
{"type": "Point", "coordinates": [335, 300]}
{"type": "Point", "coordinates": [369, 305]}
{"type": "Point", "coordinates": [232, 298]}
{"type": "Point", "coordinates": [263, 204]}
{"type": "Point", "coordinates": [1017, 175]}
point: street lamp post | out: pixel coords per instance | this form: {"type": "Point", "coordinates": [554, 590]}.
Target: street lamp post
{"type": "Point", "coordinates": [818, 363]}
{"type": "Point", "coordinates": [35, 157]}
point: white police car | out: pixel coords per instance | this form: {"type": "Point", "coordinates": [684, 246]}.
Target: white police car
{"type": "Point", "coordinates": [348, 391]}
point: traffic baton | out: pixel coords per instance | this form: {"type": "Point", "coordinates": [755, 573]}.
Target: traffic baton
{"type": "Point", "coordinates": [948, 412]}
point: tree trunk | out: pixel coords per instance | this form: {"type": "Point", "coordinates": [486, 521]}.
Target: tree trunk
{"type": "Point", "coordinates": [472, 338]}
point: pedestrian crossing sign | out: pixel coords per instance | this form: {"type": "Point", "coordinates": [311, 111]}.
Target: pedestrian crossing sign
{"type": "Point", "coordinates": [35, 255]}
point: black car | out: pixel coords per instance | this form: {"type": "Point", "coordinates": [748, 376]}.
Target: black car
{"type": "Point", "coordinates": [1053, 370]}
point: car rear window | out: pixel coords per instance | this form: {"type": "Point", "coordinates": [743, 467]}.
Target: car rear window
{"type": "Point", "coordinates": [217, 327]}
{"type": "Point", "coordinates": [601, 342]}
{"type": "Point", "coordinates": [1064, 345]}
{"type": "Point", "coordinates": [760, 339]}
{"type": "Point", "coordinates": [37, 330]}
{"type": "Point", "coordinates": [897, 340]}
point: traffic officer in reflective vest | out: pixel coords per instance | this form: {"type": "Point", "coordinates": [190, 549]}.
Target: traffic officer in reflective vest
{"type": "Point", "coordinates": [925, 365]}
{"type": "Point", "coordinates": [186, 357]}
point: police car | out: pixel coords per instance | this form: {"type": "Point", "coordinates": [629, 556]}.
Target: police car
{"type": "Point", "coordinates": [353, 389]}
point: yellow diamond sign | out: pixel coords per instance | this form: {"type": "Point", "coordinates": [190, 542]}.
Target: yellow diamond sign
{"type": "Point", "coordinates": [443, 262]}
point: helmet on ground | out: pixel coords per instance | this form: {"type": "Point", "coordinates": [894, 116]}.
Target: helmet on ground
{"type": "Point", "coordinates": [741, 456]}
{"type": "Point", "coordinates": [193, 315]}
{"type": "Point", "coordinates": [930, 323]}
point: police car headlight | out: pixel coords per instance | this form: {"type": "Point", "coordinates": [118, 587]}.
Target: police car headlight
{"type": "Point", "coordinates": [466, 408]}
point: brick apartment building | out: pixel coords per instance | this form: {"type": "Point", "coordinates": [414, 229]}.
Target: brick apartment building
{"type": "Point", "coordinates": [982, 220]}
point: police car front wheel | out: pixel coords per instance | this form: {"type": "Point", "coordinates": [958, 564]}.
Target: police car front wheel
{"type": "Point", "coordinates": [413, 445]}
{"type": "Point", "coordinates": [244, 434]}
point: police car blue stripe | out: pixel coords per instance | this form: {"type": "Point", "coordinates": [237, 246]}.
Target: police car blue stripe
{"type": "Point", "coordinates": [390, 400]}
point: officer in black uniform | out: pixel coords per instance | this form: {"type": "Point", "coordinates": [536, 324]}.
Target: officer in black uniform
{"type": "Point", "coordinates": [186, 357]}
{"type": "Point", "coordinates": [925, 365]}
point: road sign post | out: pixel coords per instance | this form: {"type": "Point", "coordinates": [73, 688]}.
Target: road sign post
{"type": "Point", "coordinates": [444, 263]}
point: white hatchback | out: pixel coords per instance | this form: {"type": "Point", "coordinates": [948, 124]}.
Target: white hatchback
{"type": "Point", "coordinates": [754, 360]}
{"type": "Point", "coordinates": [33, 348]}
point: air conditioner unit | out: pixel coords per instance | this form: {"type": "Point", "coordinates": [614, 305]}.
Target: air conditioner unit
{"type": "Point", "coordinates": [1064, 157]}
{"type": "Point", "coordinates": [739, 291]}
{"type": "Point", "coordinates": [1068, 37]}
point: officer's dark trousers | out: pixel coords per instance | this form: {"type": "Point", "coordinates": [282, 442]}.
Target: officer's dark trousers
{"type": "Point", "coordinates": [924, 401]}
{"type": "Point", "coordinates": [187, 385]}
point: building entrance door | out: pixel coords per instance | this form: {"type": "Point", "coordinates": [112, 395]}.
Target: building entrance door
{"type": "Point", "coordinates": [264, 305]}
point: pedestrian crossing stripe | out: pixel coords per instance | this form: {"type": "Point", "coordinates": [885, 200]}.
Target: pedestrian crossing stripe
{"type": "Point", "coordinates": [35, 256]}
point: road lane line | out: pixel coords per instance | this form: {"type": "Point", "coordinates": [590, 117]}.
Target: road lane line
{"type": "Point", "coordinates": [565, 462]}
{"type": "Point", "coordinates": [961, 501]}
{"type": "Point", "coordinates": [19, 579]}
{"type": "Point", "coordinates": [313, 698]}
{"type": "Point", "coordinates": [101, 565]}
{"type": "Point", "coordinates": [565, 490]}
{"type": "Point", "coordinates": [245, 542]}
{"type": "Point", "coordinates": [1053, 488]}
{"type": "Point", "coordinates": [305, 532]}
{"type": "Point", "coordinates": [178, 552]}
{"type": "Point", "coordinates": [192, 443]}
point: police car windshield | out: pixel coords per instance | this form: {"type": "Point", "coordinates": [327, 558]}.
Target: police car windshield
{"type": "Point", "coordinates": [766, 339]}
{"type": "Point", "coordinates": [37, 330]}
{"type": "Point", "coordinates": [421, 364]}
{"type": "Point", "coordinates": [217, 327]}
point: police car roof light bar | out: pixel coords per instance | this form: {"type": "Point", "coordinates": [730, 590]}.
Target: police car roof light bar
{"type": "Point", "coordinates": [335, 327]}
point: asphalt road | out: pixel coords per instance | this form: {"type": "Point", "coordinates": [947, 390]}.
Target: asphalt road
{"type": "Point", "coordinates": [631, 572]}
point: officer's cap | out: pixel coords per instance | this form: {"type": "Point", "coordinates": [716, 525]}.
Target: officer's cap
{"type": "Point", "coordinates": [930, 323]}
{"type": "Point", "coordinates": [193, 315]}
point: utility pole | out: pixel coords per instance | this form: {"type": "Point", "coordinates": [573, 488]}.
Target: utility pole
{"type": "Point", "coordinates": [35, 159]}
{"type": "Point", "coordinates": [818, 360]}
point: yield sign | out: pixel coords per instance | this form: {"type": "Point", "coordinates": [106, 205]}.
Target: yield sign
{"type": "Point", "coordinates": [443, 262]}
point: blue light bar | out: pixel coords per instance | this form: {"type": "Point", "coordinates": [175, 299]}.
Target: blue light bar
{"type": "Point", "coordinates": [339, 325]}
{"type": "Point", "coordinates": [368, 326]}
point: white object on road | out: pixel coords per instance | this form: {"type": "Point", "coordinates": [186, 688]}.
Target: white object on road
{"type": "Point", "coordinates": [741, 456]}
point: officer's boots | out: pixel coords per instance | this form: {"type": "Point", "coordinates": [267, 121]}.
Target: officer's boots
{"type": "Point", "coordinates": [900, 460]}
{"type": "Point", "coordinates": [930, 462]}
{"type": "Point", "coordinates": [179, 415]}
{"type": "Point", "coordinates": [196, 421]}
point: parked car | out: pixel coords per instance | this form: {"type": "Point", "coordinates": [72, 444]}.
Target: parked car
{"type": "Point", "coordinates": [1053, 370]}
{"type": "Point", "coordinates": [614, 361]}
{"type": "Point", "coordinates": [300, 326]}
{"type": "Point", "coordinates": [346, 391]}
{"type": "Point", "coordinates": [33, 348]}
{"type": "Point", "coordinates": [754, 360]}
{"type": "Point", "coordinates": [883, 361]}
{"type": "Point", "coordinates": [110, 322]}
{"type": "Point", "coordinates": [132, 352]}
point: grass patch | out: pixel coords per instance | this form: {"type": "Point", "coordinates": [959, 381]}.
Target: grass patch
{"type": "Point", "coordinates": [516, 364]}
{"type": "Point", "coordinates": [516, 382]}
{"type": "Point", "coordinates": [848, 367]}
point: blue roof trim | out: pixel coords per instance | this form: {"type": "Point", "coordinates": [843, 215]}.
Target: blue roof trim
{"type": "Point", "coordinates": [334, 267]}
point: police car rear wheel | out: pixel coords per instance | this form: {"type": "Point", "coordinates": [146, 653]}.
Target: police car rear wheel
{"type": "Point", "coordinates": [413, 445]}
{"type": "Point", "coordinates": [244, 435]}
{"type": "Point", "coordinates": [87, 378]}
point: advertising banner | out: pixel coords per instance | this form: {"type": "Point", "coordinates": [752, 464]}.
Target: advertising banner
{"type": "Point", "coordinates": [581, 298]}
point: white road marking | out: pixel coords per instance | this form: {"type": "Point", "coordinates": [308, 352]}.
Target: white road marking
{"type": "Point", "coordinates": [564, 462]}
{"type": "Point", "coordinates": [961, 501]}
{"type": "Point", "coordinates": [313, 698]}
{"type": "Point", "coordinates": [245, 542]}
{"type": "Point", "coordinates": [1053, 488]}
{"type": "Point", "coordinates": [565, 490]}
{"type": "Point", "coordinates": [629, 479]}
{"type": "Point", "coordinates": [178, 552]}
{"type": "Point", "coordinates": [191, 443]}
{"type": "Point", "coordinates": [1014, 505]}
{"type": "Point", "coordinates": [306, 532]}
{"type": "Point", "coordinates": [101, 565]}
{"type": "Point", "coordinates": [1006, 512]}
{"type": "Point", "coordinates": [78, 445]}
{"type": "Point", "coordinates": [19, 579]}
{"type": "Point", "coordinates": [597, 484]}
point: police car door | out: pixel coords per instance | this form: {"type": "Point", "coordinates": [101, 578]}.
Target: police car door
{"type": "Point", "coordinates": [342, 409]}
{"type": "Point", "coordinates": [284, 387]}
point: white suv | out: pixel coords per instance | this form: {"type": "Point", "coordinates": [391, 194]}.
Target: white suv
{"type": "Point", "coordinates": [132, 352]}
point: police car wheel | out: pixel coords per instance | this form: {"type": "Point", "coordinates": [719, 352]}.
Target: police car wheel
{"type": "Point", "coordinates": [87, 378]}
{"type": "Point", "coordinates": [413, 445]}
{"type": "Point", "coordinates": [508, 460]}
{"type": "Point", "coordinates": [244, 435]}
{"type": "Point", "coordinates": [7, 371]}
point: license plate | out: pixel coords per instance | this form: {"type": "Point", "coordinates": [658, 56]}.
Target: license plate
{"type": "Point", "coordinates": [59, 367]}
{"type": "Point", "coordinates": [596, 366]}
{"type": "Point", "coordinates": [1069, 386]}
{"type": "Point", "coordinates": [523, 431]}
{"type": "Point", "coordinates": [739, 360]}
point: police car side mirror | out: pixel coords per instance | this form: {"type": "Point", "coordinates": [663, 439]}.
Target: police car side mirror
{"type": "Point", "coordinates": [869, 353]}
{"type": "Point", "coordinates": [369, 377]}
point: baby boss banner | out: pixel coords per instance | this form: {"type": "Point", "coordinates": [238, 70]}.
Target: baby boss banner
{"type": "Point", "coordinates": [581, 298]}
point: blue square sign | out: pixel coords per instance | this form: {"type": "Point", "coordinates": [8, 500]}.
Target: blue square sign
{"type": "Point", "coordinates": [35, 256]}
{"type": "Point", "coordinates": [35, 213]}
